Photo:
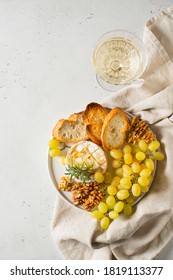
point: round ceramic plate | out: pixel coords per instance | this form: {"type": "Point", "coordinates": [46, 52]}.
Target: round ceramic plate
{"type": "Point", "coordinates": [57, 170]}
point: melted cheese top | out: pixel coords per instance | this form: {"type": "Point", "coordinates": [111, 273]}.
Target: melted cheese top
{"type": "Point", "coordinates": [88, 153]}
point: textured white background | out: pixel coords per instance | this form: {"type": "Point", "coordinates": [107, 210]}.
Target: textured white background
{"type": "Point", "coordinates": [45, 74]}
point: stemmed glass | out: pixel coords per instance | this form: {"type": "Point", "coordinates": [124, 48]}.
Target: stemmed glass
{"type": "Point", "coordinates": [119, 59]}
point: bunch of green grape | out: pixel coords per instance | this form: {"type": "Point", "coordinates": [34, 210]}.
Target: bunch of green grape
{"type": "Point", "coordinates": [134, 167]}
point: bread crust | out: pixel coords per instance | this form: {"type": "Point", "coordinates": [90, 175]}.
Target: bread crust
{"type": "Point", "coordinates": [121, 131]}
{"type": "Point", "coordinates": [76, 117]}
{"type": "Point", "coordinates": [94, 116]}
{"type": "Point", "coordinates": [55, 131]}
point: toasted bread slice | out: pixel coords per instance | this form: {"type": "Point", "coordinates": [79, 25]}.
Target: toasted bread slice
{"type": "Point", "coordinates": [94, 116]}
{"type": "Point", "coordinates": [94, 132]}
{"type": "Point", "coordinates": [76, 117]}
{"type": "Point", "coordinates": [115, 127]}
{"type": "Point", "coordinates": [94, 112]}
{"type": "Point", "coordinates": [70, 131]}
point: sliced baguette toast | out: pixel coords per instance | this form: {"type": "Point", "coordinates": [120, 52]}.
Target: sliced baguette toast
{"type": "Point", "coordinates": [94, 116]}
{"type": "Point", "coordinates": [72, 130]}
{"type": "Point", "coordinates": [76, 117]}
{"type": "Point", "coordinates": [115, 127]}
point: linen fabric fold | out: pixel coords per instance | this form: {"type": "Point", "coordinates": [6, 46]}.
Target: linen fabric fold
{"type": "Point", "coordinates": [144, 234]}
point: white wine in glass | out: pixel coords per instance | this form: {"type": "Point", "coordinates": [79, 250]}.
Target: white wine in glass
{"type": "Point", "coordinates": [119, 58]}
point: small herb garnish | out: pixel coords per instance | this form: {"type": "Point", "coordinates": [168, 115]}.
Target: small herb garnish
{"type": "Point", "coordinates": [82, 172]}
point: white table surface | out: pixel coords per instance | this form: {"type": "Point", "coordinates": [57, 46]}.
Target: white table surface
{"type": "Point", "coordinates": [45, 74]}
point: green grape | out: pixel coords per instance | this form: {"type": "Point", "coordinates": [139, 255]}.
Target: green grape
{"type": "Point", "coordinates": [130, 177]}
{"type": "Point", "coordinates": [140, 156]}
{"type": "Point", "coordinates": [113, 215]}
{"type": "Point", "coordinates": [107, 177]}
{"type": "Point", "coordinates": [63, 159]}
{"type": "Point", "coordinates": [136, 190]}
{"type": "Point", "coordinates": [110, 201]}
{"type": "Point", "coordinates": [116, 154]}
{"type": "Point", "coordinates": [145, 172]}
{"type": "Point", "coordinates": [122, 194]}
{"type": "Point", "coordinates": [150, 178]}
{"type": "Point", "coordinates": [98, 177]}
{"type": "Point", "coordinates": [111, 189]}
{"type": "Point", "coordinates": [149, 163]}
{"type": "Point", "coordinates": [153, 146]}
{"type": "Point", "coordinates": [115, 181]}
{"type": "Point", "coordinates": [158, 156]}
{"type": "Point", "coordinates": [96, 214]}
{"type": "Point", "coordinates": [130, 200]}
{"type": "Point", "coordinates": [116, 163]}
{"type": "Point", "coordinates": [119, 187]}
{"type": "Point", "coordinates": [127, 170]}
{"type": "Point", "coordinates": [127, 149]}
{"type": "Point", "coordinates": [143, 181]}
{"type": "Point", "coordinates": [143, 145]}
{"type": "Point", "coordinates": [119, 206]}
{"type": "Point", "coordinates": [104, 223]}
{"type": "Point", "coordinates": [53, 143]}
{"type": "Point", "coordinates": [135, 149]}
{"type": "Point", "coordinates": [144, 189]}
{"type": "Point", "coordinates": [127, 209]}
{"type": "Point", "coordinates": [54, 152]}
{"type": "Point", "coordinates": [119, 171]}
{"type": "Point", "coordinates": [135, 167]}
{"type": "Point", "coordinates": [125, 183]}
{"type": "Point", "coordinates": [128, 158]}
{"type": "Point", "coordinates": [102, 207]}
{"type": "Point", "coordinates": [142, 166]}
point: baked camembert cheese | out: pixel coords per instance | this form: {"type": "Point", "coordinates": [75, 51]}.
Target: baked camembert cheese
{"type": "Point", "coordinates": [89, 153]}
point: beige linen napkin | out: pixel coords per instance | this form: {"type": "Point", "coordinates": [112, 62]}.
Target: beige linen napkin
{"type": "Point", "coordinates": [148, 230]}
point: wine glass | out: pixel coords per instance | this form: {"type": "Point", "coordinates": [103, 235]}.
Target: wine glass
{"type": "Point", "coordinates": [119, 59]}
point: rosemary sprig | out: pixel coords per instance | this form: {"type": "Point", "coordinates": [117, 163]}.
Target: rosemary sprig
{"type": "Point", "coordinates": [82, 172]}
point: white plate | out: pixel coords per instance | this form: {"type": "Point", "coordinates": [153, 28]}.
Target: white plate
{"type": "Point", "coordinates": [57, 170]}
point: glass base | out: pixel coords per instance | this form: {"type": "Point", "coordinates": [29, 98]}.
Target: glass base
{"type": "Point", "coordinates": [113, 88]}
{"type": "Point", "coordinates": [107, 86]}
